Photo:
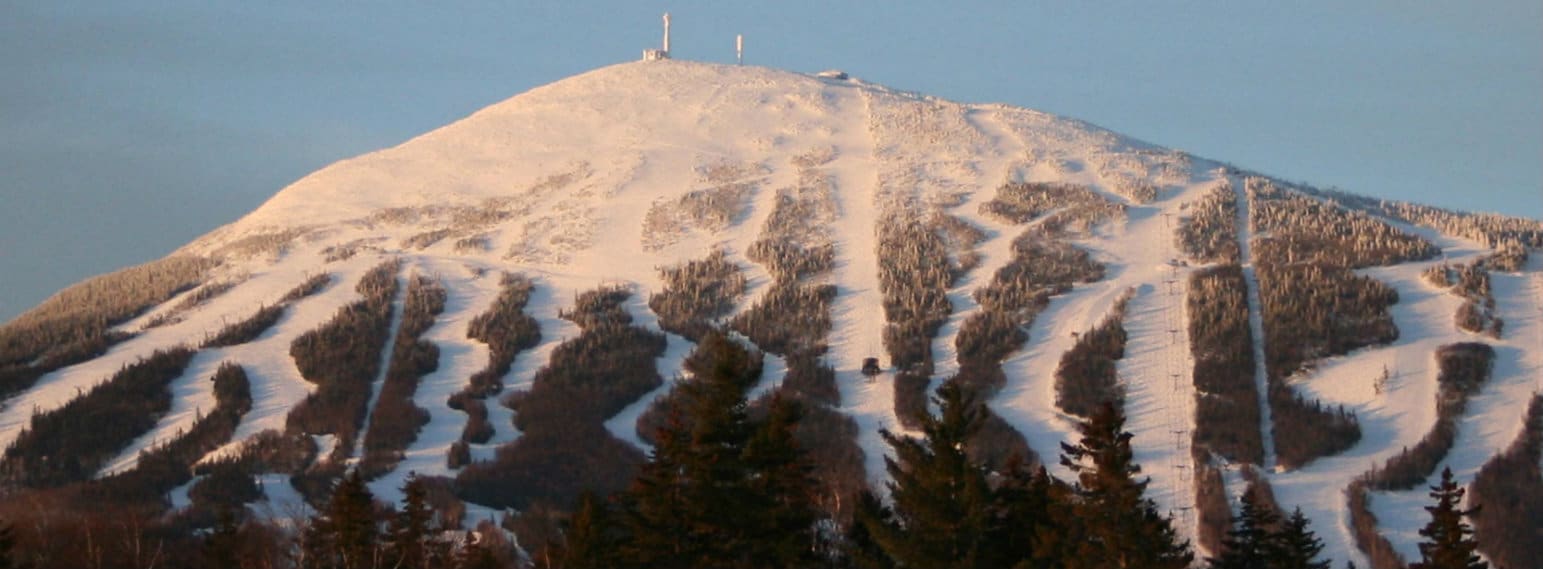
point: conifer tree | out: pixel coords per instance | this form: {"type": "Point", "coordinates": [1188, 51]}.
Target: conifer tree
{"type": "Point", "coordinates": [1119, 526]}
{"type": "Point", "coordinates": [592, 541]}
{"type": "Point", "coordinates": [345, 536]}
{"type": "Point", "coordinates": [219, 547]}
{"type": "Point", "coordinates": [7, 545]}
{"type": "Point", "coordinates": [942, 501]}
{"type": "Point", "coordinates": [1295, 546]}
{"type": "Point", "coordinates": [1023, 532]}
{"type": "Point", "coordinates": [413, 544]}
{"type": "Point", "coordinates": [1249, 543]}
{"type": "Point", "coordinates": [474, 553]}
{"type": "Point", "coordinates": [1449, 542]}
{"type": "Point", "coordinates": [781, 486]}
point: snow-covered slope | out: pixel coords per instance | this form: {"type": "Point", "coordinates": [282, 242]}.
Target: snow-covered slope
{"type": "Point", "coordinates": [581, 183]}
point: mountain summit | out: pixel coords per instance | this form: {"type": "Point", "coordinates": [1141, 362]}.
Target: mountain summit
{"type": "Point", "coordinates": [503, 305]}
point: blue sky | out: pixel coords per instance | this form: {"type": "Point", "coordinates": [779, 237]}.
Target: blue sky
{"type": "Point", "coordinates": [129, 128]}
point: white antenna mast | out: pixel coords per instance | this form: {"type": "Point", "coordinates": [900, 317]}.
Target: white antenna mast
{"type": "Point", "coordinates": [739, 49]}
{"type": "Point", "coordinates": [666, 34]}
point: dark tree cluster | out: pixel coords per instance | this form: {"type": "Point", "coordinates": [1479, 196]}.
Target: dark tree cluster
{"type": "Point", "coordinates": [266, 316]}
{"type": "Point", "coordinates": [1226, 392]}
{"type": "Point", "coordinates": [720, 489]}
{"type": "Point", "coordinates": [1464, 368]}
{"type": "Point", "coordinates": [1300, 229]}
{"type": "Point", "coordinates": [75, 324]}
{"type": "Point", "coordinates": [697, 293]}
{"type": "Point", "coordinates": [343, 358]}
{"type": "Point", "coordinates": [949, 510]}
{"type": "Point", "coordinates": [1471, 283]}
{"type": "Point", "coordinates": [71, 443]}
{"type": "Point", "coordinates": [564, 446]}
{"type": "Point", "coordinates": [706, 360]}
{"type": "Point", "coordinates": [1363, 527]}
{"type": "Point", "coordinates": [1510, 490]}
{"type": "Point", "coordinates": [1262, 537]}
{"type": "Point", "coordinates": [396, 419]}
{"type": "Point", "coordinates": [1210, 233]}
{"type": "Point", "coordinates": [1086, 378]}
{"type": "Point", "coordinates": [1213, 512]}
{"type": "Point", "coordinates": [163, 468]}
{"type": "Point", "coordinates": [507, 330]}
{"type": "Point", "coordinates": [1313, 311]}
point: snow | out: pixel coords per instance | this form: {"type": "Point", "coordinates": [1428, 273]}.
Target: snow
{"type": "Point", "coordinates": [558, 181]}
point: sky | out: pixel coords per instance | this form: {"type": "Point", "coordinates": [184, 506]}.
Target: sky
{"type": "Point", "coordinates": [127, 129]}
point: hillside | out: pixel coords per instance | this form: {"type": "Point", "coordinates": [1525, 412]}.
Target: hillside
{"type": "Point", "coordinates": [504, 303]}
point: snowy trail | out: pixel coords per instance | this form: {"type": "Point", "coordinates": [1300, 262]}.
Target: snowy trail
{"type": "Point", "coordinates": [995, 251]}
{"type": "Point", "coordinates": [1493, 416]}
{"type": "Point", "coordinates": [1255, 321]}
{"type": "Point", "coordinates": [670, 366]}
{"type": "Point", "coordinates": [398, 310]}
{"type": "Point", "coordinates": [1395, 418]}
{"type": "Point", "coordinates": [857, 315]}
{"type": "Point", "coordinates": [547, 299]}
{"type": "Point", "coordinates": [459, 358]}
{"type": "Point", "coordinates": [192, 397]}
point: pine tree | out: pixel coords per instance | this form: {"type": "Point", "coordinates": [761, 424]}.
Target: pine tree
{"type": "Point", "coordinates": [1119, 526]}
{"type": "Point", "coordinates": [592, 541]}
{"type": "Point", "coordinates": [942, 501]}
{"type": "Point", "coordinates": [1249, 544]}
{"type": "Point", "coordinates": [1023, 533]}
{"type": "Point", "coordinates": [345, 536]}
{"type": "Point", "coordinates": [219, 547]}
{"type": "Point", "coordinates": [1295, 546]}
{"type": "Point", "coordinates": [1448, 539]}
{"type": "Point", "coordinates": [475, 554]}
{"type": "Point", "coordinates": [7, 545]}
{"type": "Point", "coordinates": [782, 488]}
{"type": "Point", "coordinates": [412, 544]}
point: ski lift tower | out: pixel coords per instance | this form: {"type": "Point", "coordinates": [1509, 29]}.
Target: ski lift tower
{"type": "Point", "coordinates": [658, 54]}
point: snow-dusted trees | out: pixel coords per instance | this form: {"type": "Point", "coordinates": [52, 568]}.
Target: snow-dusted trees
{"type": "Point", "coordinates": [1086, 378]}
{"type": "Point", "coordinates": [75, 324]}
{"type": "Point", "coordinates": [1227, 395]}
{"type": "Point", "coordinates": [696, 293]}
{"type": "Point", "coordinates": [1210, 233]}
{"type": "Point", "coordinates": [1300, 229]}
{"type": "Point", "coordinates": [1471, 283]}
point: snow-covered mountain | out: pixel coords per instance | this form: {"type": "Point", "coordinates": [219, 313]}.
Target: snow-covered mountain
{"type": "Point", "coordinates": [885, 224]}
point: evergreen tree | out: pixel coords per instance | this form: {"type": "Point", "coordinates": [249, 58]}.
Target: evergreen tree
{"type": "Point", "coordinates": [219, 547]}
{"type": "Point", "coordinates": [1023, 532]}
{"type": "Point", "coordinates": [1295, 546]}
{"type": "Point", "coordinates": [1120, 527]}
{"type": "Point", "coordinates": [782, 488]}
{"type": "Point", "coordinates": [7, 545]}
{"type": "Point", "coordinates": [1249, 543]}
{"type": "Point", "coordinates": [345, 536]}
{"type": "Point", "coordinates": [720, 490]}
{"type": "Point", "coordinates": [475, 554]}
{"type": "Point", "coordinates": [859, 549]}
{"type": "Point", "coordinates": [592, 541]}
{"type": "Point", "coordinates": [412, 543]}
{"type": "Point", "coordinates": [1448, 539]}
{"type": "Point", "coordinates": [942, 501]}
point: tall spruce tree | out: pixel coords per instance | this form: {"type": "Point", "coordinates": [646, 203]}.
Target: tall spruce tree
{"type": "Point", "coordinates": [719, 489]}
{"type": "Point", "coordinates": [1449, 542]}
{"type": "Point", "coordinates": [592, 540]}
{"type": "Point", "coordinates": [1249, 543]}
{"type": "Point", "coordinates": [413, 543]}
{"type": "Point", "coordinates": [941, 513]}
{"type": "Point", "coordinates": [345, 535]}
{"type": "Point", "coordinates": [1119, 527]}
{"type": "Point", "coordinates": [1295, 546]}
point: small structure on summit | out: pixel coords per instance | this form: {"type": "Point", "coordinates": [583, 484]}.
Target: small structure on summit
{"type": "Point", "coordinates": [664, 53]}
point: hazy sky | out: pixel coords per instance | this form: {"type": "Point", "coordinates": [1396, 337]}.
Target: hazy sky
{"type": "Point", "coordinates": [129, 128]}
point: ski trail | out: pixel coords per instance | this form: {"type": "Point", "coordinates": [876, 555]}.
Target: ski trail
{"type": "Point", "coordinates": [857, 314]}
{"type": "Point", "coordinates": [545, 304]}
{"type": "Point", "coordinates": [670, 366]}
{"type": "Point", "coordinates": [995, 251]}
{"type": "Point", "coordinates": [1493, 416]}
{"type": "Point", "coordinates": [459, 358]}
{"type": "Point", "coordinates": [192, 397]}
{"type": "Point", "coordinates": [1255, 321]}
{"type": "Point", "coordinates": [398, 308]}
